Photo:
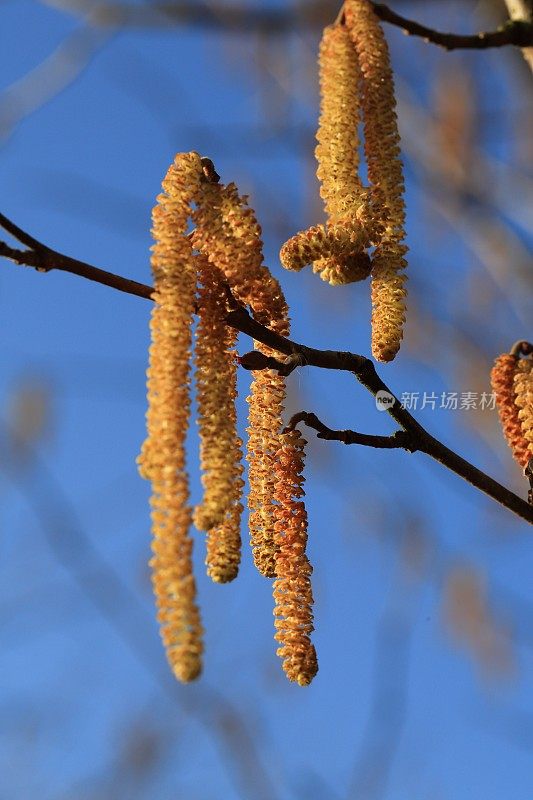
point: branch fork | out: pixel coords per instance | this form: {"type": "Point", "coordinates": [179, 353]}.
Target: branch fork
{"type": "Point", "coordinates": [411, 437]}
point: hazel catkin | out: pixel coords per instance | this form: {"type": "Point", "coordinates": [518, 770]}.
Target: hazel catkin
{"type": "Point", "coordinates": [292, 588]}
{"type": "Point", "coordinates": [162, 459]}
{"type": "Point", "coordinates": [337, 151]}
{"type": "Point", "coordinates": [336, 250]}
{"type": "Point", "coordinates": [228, 234]}
{"type": "Point", "coordinates": [506, 370]}
{"type": "Point", "coordinates": [523, 390]}
{"type": "Point", "coordinates": [382, 151]}
{"type": "Point", "coordinates": [219, 513]}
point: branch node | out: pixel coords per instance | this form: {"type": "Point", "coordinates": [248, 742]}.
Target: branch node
{"type": "Point", "coordinates": [528, 472]}
{"type": "Point", "coordinates": [521, 348]}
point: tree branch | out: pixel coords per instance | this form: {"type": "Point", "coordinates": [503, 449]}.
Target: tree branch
{"type": "Point", "coordinates": [43, 258]}
{"type": "Point", "coordinates": [399, 439]}
{"type": "Point", "coordinates": [515, 32]}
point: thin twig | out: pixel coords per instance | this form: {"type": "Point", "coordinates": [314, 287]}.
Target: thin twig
{"type": "Point", "coordinates": [398, 440]}
{"type": "Point", "coordinates": [521, 348]}
{"type": "Point", "coordinates": [46, 259]}
{"type": "Point", "coordinates": [515, 32]}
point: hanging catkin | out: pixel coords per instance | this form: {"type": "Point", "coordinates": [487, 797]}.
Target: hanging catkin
{"type": "Point", "coordinates": [503, 375]}
{"type": "Point", "coordinates": [162, 459]}
{"type": "Point", "coordinates": [336, 250]}
{"type": "Point", "coordinates": [382, 151]}
{"type": "Point", "coordinates": [228, 233]}
{"type": "Point", "coordinates": [337, 151]}
{"type": "Point", "coordinates": [220, 447]}
{"type": "Point", "coordinates": [523, 389]}
{"type": "Point", "coordinates": [292, 588]}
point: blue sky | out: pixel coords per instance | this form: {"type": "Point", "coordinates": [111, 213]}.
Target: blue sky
{"type": "Point", "coordinates": [402, 706]}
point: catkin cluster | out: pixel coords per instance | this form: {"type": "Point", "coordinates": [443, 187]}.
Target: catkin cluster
{"type": "Point", "coordinates": [193, 271]}
{"type": "Point", "coordinates": [364, 231]}
{"type": "Point", "coordinates": [228, 234]}
{"type": "Point", "coordinates": [512, 383]}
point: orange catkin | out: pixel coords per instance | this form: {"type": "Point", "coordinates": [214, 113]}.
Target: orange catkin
{"type": "Point", "coordinates": [382, 151]}
{"type": "Point", "coordinates": [220, 447]}
{"type": "Point", "coordinates": [292, 588]}
{"type": "Point", "coordinates": [337, 151]}
{"type": "Point", "coordinates": [162, 459]}
{"type": "Point", "coordinates": [228, 233]}
{"type": "Point", "coordinates": [506, 370]}
{"type": "Point", "coordinates": [336, 250]}
{"type": "Point", "coordinates": [523, 389]}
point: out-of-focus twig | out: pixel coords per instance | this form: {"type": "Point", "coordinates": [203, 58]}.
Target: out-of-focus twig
{"type": "Point", "coordinates": [497, 246]}
{"type": "Point", "coordinates": [389, 700]}
{"type": "Point", "coordinates": [111, 596]}
{"type": "Point", "coordinates": [204, 15]}
{"type": "Point", "coordinates": [51, 76]}
{"type": "Point", "coordinates": [268, 20]}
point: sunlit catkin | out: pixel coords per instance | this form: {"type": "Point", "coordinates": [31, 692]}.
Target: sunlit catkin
{"type": "Point", "coordinates": [293, 594]}
{"type": "Point", "coordinates": [385, 174]}
{"type": "Point", "coordinates": [337, 151]}
{"type": "Point", "coordinates": [523, 389]}
{"type": "Point", "coordinates": [228, 233]}
{"type": "Point", "coordinates": [337, 252]}
{"type": "Point", "coordinates": [163, 454]}
{"type": "Point", "coordinates": [503, 374]}
{"type": "Point", "coordinates": [220, 447]}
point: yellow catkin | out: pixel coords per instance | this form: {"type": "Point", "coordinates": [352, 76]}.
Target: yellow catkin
{"type": "Point", "coordinates": [162, 459]}
{"type": "Point", "coordinates": [385, 174]}
{"type": "Point", "coordinates": [523, 390]}
{"type": "Point", "coordinates": [336, 250]}
{"type": "Point", "coordinates": [266, 400]}
{"type": "Point", "coordinates": [502, 377]}
{"type": "Point", "coordinates": [337, 154]}
{"type": "Point", "coordinates": [337, 151]}
{"type": "Point", "coordinates": [339, 249]}
{"type": "Point", "coordinates": [228, 233]}
{"type": "Point", "coordinates": [293, 594]}
{"type": "Point", "coordinates": [220, 447]}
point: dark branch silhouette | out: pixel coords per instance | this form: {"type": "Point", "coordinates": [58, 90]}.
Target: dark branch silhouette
{"type": "Point", "coordinates": [516, 32]}
{"type": "Point", "coordinates": [398, 440]}
{"type": "Point", "coordinates": [44, 259]}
